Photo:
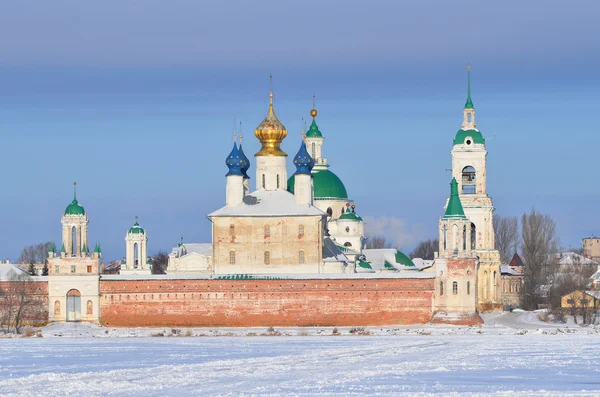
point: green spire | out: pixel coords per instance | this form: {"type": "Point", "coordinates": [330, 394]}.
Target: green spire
{"type": "Point", "coordinates": [455, 208]}
{"type": "Point", "coordinates": [62, 249]}
{"type": "Point", "coordinates": [84, 249]}
{"type": "Point", "coordinates": [469, 103]}
{"type": "Point", "coordinates": [97, 249]}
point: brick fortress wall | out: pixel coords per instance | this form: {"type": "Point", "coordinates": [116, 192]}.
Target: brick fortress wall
{"type": "Point", "coordinates": [35, 312]}
{"type": "Point", "coordinates": [248, 303]}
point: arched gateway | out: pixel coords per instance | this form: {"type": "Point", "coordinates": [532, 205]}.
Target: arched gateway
{"type": "Point", "coordinates": [73, 305]}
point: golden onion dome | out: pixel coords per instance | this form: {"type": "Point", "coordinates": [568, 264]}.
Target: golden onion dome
{"type": "Point", "coordinates": [270, 132]}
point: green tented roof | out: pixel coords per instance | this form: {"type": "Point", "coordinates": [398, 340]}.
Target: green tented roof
{"type": "Point", "coordinates": [327, 186]}
{"type": "Point", "coordinates": [313, 131]}
{"type": "Point", "coordinates": [455, 208]}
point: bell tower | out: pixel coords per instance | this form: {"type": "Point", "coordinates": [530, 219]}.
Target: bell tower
{"type": "Point", "coordinates": [469, 169]}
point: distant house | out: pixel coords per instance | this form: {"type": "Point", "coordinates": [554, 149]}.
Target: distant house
{"type": "Point", "coordinates": [581, 304]}
{"type": "Point", "coordinates": [591, 248]}
{"type": "Point", "coordinates": [511, 278]}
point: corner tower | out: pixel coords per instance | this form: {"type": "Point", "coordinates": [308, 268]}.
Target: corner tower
{"type": "Point", "coordinates": [271, 172]}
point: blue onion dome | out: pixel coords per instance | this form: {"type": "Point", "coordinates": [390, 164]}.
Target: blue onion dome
{"type": "Point", "coordinates": [303, 162]}
{"type": "Point", "coordinates": [234, 162]}
{"type": "Point", "coordinates": [245, 162]}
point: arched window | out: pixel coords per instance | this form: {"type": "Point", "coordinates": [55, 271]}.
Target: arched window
{"type": "Point", "coordinates": [263, 181]}
{"type": "Point", "coordinates": [454, 287]}
{"type": "Point", "coordinates": [493, 289]}
{"type": "Point", "coordinates": [468, 117]}
{"type": "Point", "coordinates": [468, 288]}
{"type": "Point", "coordinates": [301, 256]}
{"type": "Point", "coordinates": [314, 150]}
{"type": "Point", "coordinates": [267, 258]}
{"type": "Point", "coordinates": [473, 236]}
{"type": "Point", "coordinates": [441, 288]}
{"type": "Point", "coordinates": [347, 244]}
{"type": "Point", "coordinates": [90, 308]}
{"type": "Point", "coordinates": [468, 180]}
{"type": "Point", "coordinates": [135, 256]}
{"type": "Point", "coordinates": [232, 257]}
{"type": "Point", "coordinates": [231, 230]}
{"type": "Point", "coordinates": [56, 307]}
{"type": "Point", "coordinates": [343, 210]}
{"type": "Point", "coordinates": [329, 211]}
{"type": "Point", "coordinates": [74, 241]}
{"type": "Point", "coordinates": [267, 231]}
{"type": "Point", "coordinates": [301, 230]}
{"type": "Point", "coordinates": [277, 181]}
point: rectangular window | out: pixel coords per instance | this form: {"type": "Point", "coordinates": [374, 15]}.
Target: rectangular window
{"type": "Point", "coordinates": [57, 269]}
{"type": "Point", "coordinates": [232, 257]}
{"type": "Point", "coordinates": [468, 288]}
{"type": "Point", "coordinates": [73, 269]}
{"type": "Point", "coordinates": [267, 258]}
{"type": "Point", "coordinates": [454, 288]}
{"type": "Point", "coordinates": [301, 230]}
{"type": "Point", "coordinates": [301, 256]}
{"type": "Point", "coordinates": [267, 231]}
{"type": "Point", "coordinates": [232, 230]}
{"type": "Point", "coordinates": [441, 288]}
{"type": "Point", "coordinates": [89, 269]}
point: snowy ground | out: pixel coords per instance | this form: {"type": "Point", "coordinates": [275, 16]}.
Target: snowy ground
{"type": "Point", "coordinates": [514, 354]}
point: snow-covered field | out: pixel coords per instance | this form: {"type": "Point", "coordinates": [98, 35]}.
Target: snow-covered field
{"type": "Point", "coordinates": [513, 355]}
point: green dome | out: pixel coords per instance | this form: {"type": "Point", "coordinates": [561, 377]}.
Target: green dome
{"type": "Point", "coordinates": [327, 186]}
{"type": "Point", "coordinates": [313, 131]}
{"type": "Point", "coordinates": [475, 135]}
{"type": "Point", "coordinates": [136, 229]}
{"type": "Point", "coordinates": [74, 209]}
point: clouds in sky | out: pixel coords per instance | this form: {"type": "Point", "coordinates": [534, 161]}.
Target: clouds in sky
{"type": "Point", "coordinates": [307, 34]}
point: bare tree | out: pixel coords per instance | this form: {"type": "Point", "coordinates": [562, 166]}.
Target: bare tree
{"type": "Point", "coordinates": [539, 244]}
{"type": "Point", "coordinates": [20, 302]}
{"type": "Point", "coordinates": [426, 249]}
{"type": "Point", "coordinates": [378, 242]}
{"type": "Point", "coordinates": [506, 231]}
{"type": "Point", "coordinates": [160, 261]}
{"type": "Point", "coordinates": [37, 253]}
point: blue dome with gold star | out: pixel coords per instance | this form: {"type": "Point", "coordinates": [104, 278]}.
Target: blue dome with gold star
{"type": "Point", "coordinates": [234, 162]}
{"type": "Point", "coordinates": [303, 162]}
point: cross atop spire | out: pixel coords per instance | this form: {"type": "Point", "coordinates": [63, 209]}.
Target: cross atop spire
{"type": "Point", "coordinates": [271, 90]}
{"type": "Point", "coordinates": [74, 191]}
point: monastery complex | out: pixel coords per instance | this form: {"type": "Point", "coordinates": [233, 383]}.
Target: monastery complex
{"type": "Point", "coordinates": [288, 249]}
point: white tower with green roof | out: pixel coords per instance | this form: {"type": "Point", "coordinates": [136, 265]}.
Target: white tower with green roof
{"type": "Point", "coordinates": [136, 251]}
{"type": "Point", "coordinates": [74, 229]}
{"type": "Point", "coordinates": [469, 162]}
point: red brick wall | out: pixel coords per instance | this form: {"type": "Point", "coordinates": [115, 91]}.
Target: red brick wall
{"type": "Point", "coordinates": [246, 303]}
{"type": "Point", "coordinates": [35, 313]}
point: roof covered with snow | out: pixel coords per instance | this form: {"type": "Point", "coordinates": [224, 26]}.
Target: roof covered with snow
{"type": "Point", "coordinates": [268, 203]}
{"type": "Point", "coordinates": [573, 258]}
{"type": "Point", "coordinates": [388, 259]}
{"type": "Point", "coordinates": [196, 248]}
{"type": "Point", "coordinates": [7, 268]}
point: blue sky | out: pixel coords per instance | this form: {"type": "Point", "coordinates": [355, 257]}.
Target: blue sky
{"type": "Point", "coordinates": [135, 101]}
